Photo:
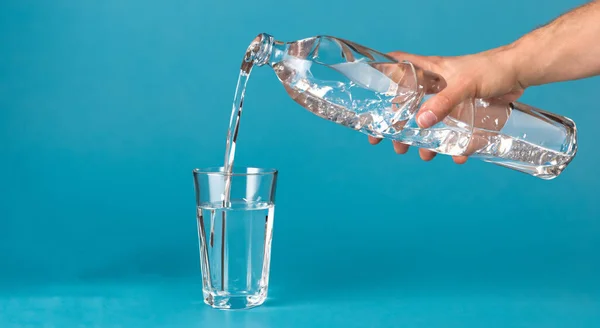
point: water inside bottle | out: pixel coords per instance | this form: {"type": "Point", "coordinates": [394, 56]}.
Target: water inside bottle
{"type": "Point", "coordinates": [366, 91]}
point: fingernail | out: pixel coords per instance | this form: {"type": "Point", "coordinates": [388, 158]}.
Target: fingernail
{"type": "Point", "coordinates": [426, 119]}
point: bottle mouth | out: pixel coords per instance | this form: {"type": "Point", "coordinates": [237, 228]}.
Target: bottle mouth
{"type": "Point", "coordinates": [259, 51]}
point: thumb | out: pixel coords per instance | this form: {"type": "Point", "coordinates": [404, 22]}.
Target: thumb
{"type": "Point", "coordinates": [440, 105]}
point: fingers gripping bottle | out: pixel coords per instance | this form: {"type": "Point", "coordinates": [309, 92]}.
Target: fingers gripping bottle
{"type": "Point", "coordinates": [370, 92]}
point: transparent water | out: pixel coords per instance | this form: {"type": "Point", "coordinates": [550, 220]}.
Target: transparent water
{"type": "Point", "coordinates": [230, 147]}
{"type": "Point", "coordinates": [369, 92]}
{"type": "Point", "coordinates": [236, 114]}
{"type": "Point", "coordinates": [235, 252]}
{"type": "Point", "coordinates": [235, 235]}
{"type": "Point", "coordinates": [234, 125]}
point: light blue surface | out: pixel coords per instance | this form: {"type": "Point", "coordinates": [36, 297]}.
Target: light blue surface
{"type": "Point", "coordinates": [107, 106]}
{"type": "Point", "coordinates": [167, 303]}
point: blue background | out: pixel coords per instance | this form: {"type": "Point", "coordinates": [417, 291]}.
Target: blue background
{"type": "Point", "coordinates": [107, 106]}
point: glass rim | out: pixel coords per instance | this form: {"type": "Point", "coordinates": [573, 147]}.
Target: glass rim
{"type": "Point", "coordinates": [237, 171]}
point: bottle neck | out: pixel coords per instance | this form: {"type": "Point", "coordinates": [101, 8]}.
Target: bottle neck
{"type": "Point", "coordinates": [264, 50]}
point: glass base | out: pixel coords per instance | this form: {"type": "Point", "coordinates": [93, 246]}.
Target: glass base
{"type": "Point", "coordinates": [234, 302]}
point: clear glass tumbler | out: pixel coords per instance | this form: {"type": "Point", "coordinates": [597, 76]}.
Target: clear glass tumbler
{"type": "Point", "coordinates": [235, 214]}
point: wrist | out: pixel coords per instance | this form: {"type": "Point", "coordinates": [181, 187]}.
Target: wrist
{"type": "Point", "coordinates": [511, 63]}
{"type": "Point", "coordinates": [522, 62]}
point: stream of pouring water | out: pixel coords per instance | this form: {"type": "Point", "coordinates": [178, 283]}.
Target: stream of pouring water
{"type": "Point", "coordinates": [232, 134]}
{"type": "Point", "coordinates": [234, 124]}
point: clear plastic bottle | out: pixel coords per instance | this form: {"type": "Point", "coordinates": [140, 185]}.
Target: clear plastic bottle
{"type": "Point", "coordinates": [370, 92]}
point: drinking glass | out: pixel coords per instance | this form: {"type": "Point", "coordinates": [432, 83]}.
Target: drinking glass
{"type": "Point", "coordinates": [235, 212]}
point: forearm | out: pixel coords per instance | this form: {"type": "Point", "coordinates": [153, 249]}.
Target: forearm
{"type": "Point", "coordinates": [566, 49]}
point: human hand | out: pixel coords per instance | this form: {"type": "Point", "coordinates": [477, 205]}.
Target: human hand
{"type": "Point", "coordinates": [489, 74]}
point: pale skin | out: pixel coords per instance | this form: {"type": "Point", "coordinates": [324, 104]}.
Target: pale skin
{"type": "Point", "coordinates": [568, 48]}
